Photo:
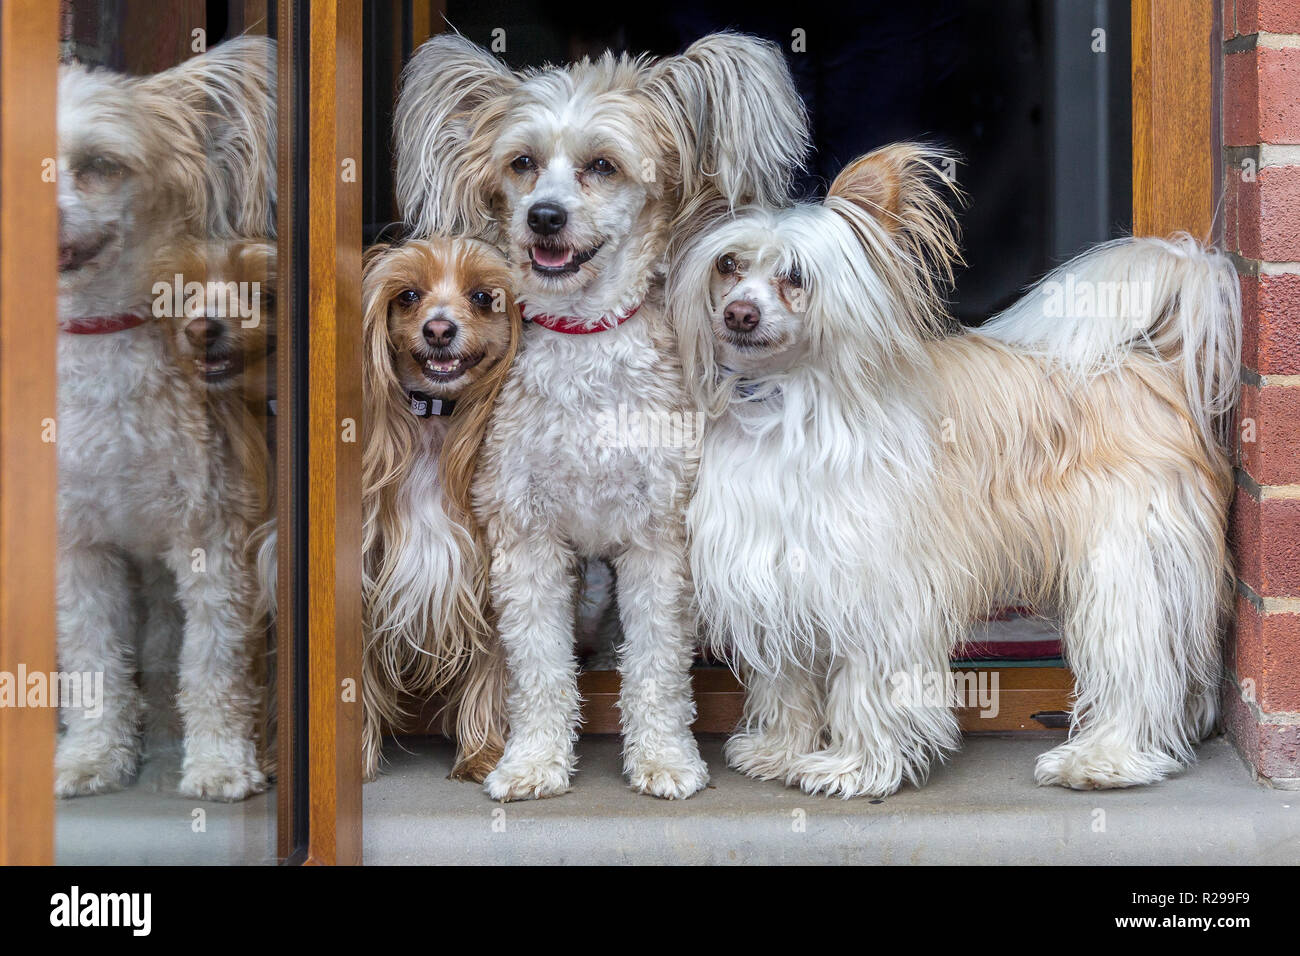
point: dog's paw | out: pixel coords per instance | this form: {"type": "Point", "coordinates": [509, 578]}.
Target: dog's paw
{"type": "Point", "coordinates": [675, 780]}
{"type": "Point", "coordinates": [836, 776]}
{"type": "Point", "coordinates": [214, 779]}
{"type": "Point", "coordinates": [758, 755]}
{"type": "Point", "coordinates": [83, 768]}
{"type": "Point", "coordinates": [475, 767]}
{"type": "Point", "coordinates": [86, 778]}
{"type": "Point", "coordinates": [526, 780]}
{"type": "Point", "coordinates": [1094, 767]}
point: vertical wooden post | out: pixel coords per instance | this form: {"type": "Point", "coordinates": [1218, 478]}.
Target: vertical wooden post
{"type": "Point", "coordinates": [28, 327]}
{"type": "Point", "coordinates": [334, 431]}
{"type": "Point", "coordinates": [1173, 113]}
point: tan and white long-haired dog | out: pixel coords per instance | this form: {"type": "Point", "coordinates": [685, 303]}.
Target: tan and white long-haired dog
{"type": "Point", "coordinates": [578, 172]}
{"type": "Point", "coordinates": [871, 483]}
{"type": "Point", "coordinates": [440, 331]}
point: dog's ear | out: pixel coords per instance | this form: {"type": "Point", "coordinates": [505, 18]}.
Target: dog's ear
{"type": "Point", "coordinates": [372, 254]}
{"type": "Point", "coordinates": [734, 116]}
{"type": "Point", "coordinates": [896, 199]}
{"type": "Point", "coordinates": [441, 128]}
{"type": "Point", "coordinates": [231, 91]}
{"type": "Point", "coordinates": [906, 188]}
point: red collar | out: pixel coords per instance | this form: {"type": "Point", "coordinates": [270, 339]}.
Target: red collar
{"type": "Point", "coordinates": [572, 325]}
{"type": "Point", "coordinates": [102, 324]}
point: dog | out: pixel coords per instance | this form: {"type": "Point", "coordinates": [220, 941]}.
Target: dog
{"type": "Point", "coordinates": [219, 297]}
{"type": "Point", "coordinates": [579, 173]}
{"type": "Point", "coordinates": [440, 331]}
{"type": "Point", "coordinates": [872, 482]}
{"type": "Point", "coordinates": [150, 489]}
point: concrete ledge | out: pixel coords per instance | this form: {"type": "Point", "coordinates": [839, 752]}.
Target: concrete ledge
{"type": "Point", "coordinates": [982, 807]}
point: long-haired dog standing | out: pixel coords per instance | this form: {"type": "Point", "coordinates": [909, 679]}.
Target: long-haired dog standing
{"type": "Point", "coordinates": [440, 331]}
{"type": "Point", "coordinates": [578, 173]}
{"type": "Point", "coordinates": [870, 485]}
{"type": "Point", "coordinates": [147, 480]}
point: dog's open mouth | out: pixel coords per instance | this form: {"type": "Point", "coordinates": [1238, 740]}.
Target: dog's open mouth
{"type": "Point", "coordinates": [443, 369]}
{"type": "Point", "coordinates": [74, 255]}
{"type": "Point", "coordinates": [216, 366]}
{"type": "Point", "coordinates": [559, 260]}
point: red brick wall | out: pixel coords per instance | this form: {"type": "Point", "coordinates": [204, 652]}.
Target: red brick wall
{"type": "Point", "coordinates": [1261, 132]}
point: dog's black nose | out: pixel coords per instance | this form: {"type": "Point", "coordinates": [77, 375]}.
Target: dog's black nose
{"type": "Point", "coordinates": [741, 316]}
{"type": "Point", "coordinates": [546, 218]}
{"type": "Point", "coordinates": [439, 332]}
{"type": "Point", "coordinates": [204, 332]}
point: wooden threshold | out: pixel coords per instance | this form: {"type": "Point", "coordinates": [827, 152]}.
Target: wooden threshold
{"type": "Point", "coordinates": [1030, 699]}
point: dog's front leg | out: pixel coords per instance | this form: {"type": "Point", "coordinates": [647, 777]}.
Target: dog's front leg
{"type": "Point", "coordinates": [217, 700]}
{"type": "Point", "coordinates": [534, 586]}
{"type": "Point", "coordinates": [660, 755]}
{"type": "Point", "coordinates": [100, 748]}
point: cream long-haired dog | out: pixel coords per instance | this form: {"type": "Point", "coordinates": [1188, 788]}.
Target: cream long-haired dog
{"type": "Point", "coordinates": [440, 330]}
{"type": "Point", "coordinates": [148, 485]}
{"type": "Point", "coordinates": [578, 173]}
{"type": "Point", "coordinates": [870, 484]}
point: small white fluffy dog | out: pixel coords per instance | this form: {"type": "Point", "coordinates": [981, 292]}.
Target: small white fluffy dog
{"type": "Point", "coordinates": [870, 485]}
{"type": "Point", "coordinates": [578, 172]}
{"type": "Point", "coordinates": [148, 484]}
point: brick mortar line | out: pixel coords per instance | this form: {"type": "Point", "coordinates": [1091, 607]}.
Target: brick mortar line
{"type": "Point", "coordinates": [1268, 605]}
{"type": "Point", "coordinates": [1251, 377]}
{"type": "Point", "coordinates": [1265, 155]}
{"type": "Point", "coordinates": [1277, 41]}
{"type": "Point", "coordinates": [1278, 719]}
{"type": "Point", "coordinates": [1246, 481]}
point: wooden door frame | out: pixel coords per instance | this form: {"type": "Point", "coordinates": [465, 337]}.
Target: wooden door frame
{"type": "Point", "coordinates": [333, 249]}
{"type": "Point", "coordinates": [28, 307]}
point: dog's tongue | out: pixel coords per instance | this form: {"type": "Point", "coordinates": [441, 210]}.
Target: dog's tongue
{"type": "Point", "coordinates": [551, 258]}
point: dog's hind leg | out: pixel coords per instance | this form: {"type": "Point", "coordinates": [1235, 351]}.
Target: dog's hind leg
{"type": "Point", "coordinates": [218, 702]}
{"type": "Point", "coordinates": [782, 722]}
{"type": "Point", "coordinates": [100, 746]}
{"type": "Point", "coordinates": [660, 755]}
{"type": "Point", "coordinates": [1141, 616]}
{"type": "Point", "coordinates": [534, 585]}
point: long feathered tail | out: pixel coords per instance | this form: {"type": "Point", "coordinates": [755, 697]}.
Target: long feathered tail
{"type": "Point", "coordinates": [1173, 298]}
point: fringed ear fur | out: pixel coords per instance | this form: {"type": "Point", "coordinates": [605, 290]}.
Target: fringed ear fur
{"type": "Point", "coordinates": [904, 188]}
{"type": "Point", "coordinates": [737, 121]}
{"type": "Point", "coordinates": [231, 90]}
{"type": "Point", "coordinates": [444, 88]}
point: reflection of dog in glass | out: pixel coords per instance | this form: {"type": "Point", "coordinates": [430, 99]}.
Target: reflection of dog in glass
{"type": "Point", "coordinates": [871, 482]}
{"type": "Point", "coordinates": [148, 483]}
{"type": "Point", "coordinates": [440, 331]}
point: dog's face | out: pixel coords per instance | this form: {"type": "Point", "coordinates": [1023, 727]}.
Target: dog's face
{"type": "Point", "coordinates": [443, 310]}
{"type": "Point", "coordinates": [224, 327]}
{"type": "Point", "coordinates": [577, 177]}
{"type": "Point", "coordinates": [579, 171]}
{"type": "Point", "coordinates": [758, 295]}
{"type": "Point", "coordinates": [108, 183]}
{"type": "Point", "coordinates": [851, 286]}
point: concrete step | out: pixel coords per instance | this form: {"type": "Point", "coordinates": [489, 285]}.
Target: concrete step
{"type": "Point", "coordinates": [982, 807]}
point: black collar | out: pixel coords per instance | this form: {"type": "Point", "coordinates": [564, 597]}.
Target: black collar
{"type": "Point", "coordinates": [426, 406]}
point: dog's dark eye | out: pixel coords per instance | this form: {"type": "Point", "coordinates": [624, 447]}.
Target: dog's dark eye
{"type": "Point", "coordinates": [522, 164]}
{"type": "Point", "coordinates": [100, 167]}
{"type": "Point", "coordinates": [481, 298]}
{"type": "Point", "coordinates": [794, 278]}
{"type": "Point", "coordinates": [726, 265]}
{"type": "Point", "coordinates": [408, 297]}
{"type": "Point", "coordinates": [601, 166]}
